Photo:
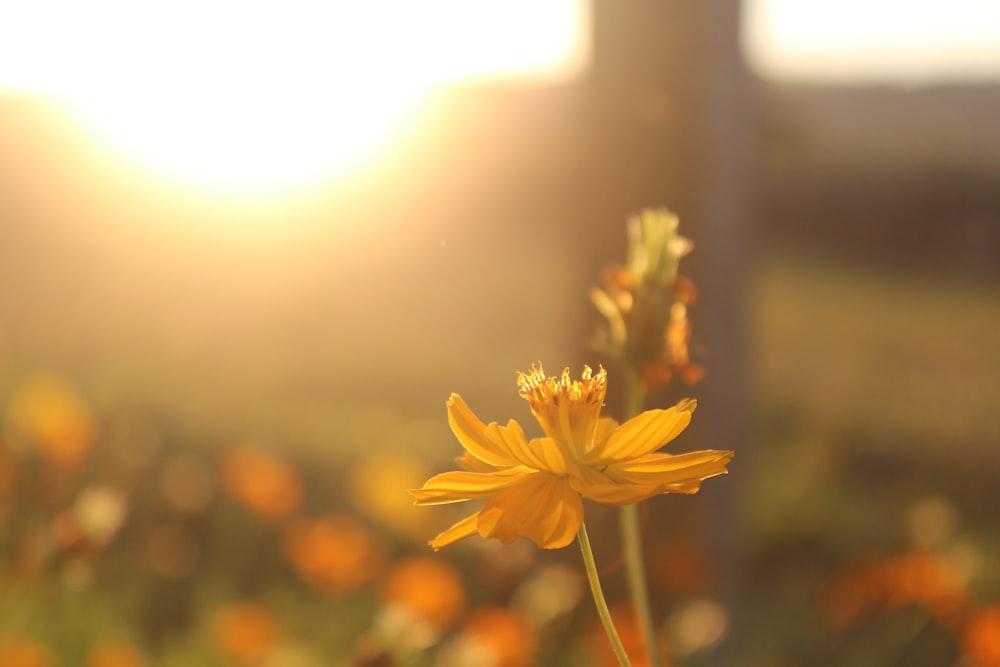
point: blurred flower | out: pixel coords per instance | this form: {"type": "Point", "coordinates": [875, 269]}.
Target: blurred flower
{"type": "Point", "coordinates": [244, 632]}
{"type": "Point", "coordinates": [112, 653]}
{"type": "Point", "coordinates": [264, 483]}
{"type": "Point", "coordinates": [375, 486]}
{"type": "Point", "coordinates": [654, 247]}
{"type": "Point", "coordinates": [645, 302]}
{"type": "Point", "coordinates": [923, 578]}
{"type": "Point", "coordinates": [698, 625]}
{"type": "Point", "coordinates": [17, 652]}
{"type": "Point", "coordinates": [980, 637]}
{"type": "Point", "coordinates": [335, 554]}
{"type": "Point", "coordinates": [493, 637]}
{"type": "Point", "coordinates": [427, 589]}
{"type": "Point", "coordinates": [552, 593]}
{"type": "Point", "coordinates": [99, 512]}
{"type": "Point", "coordinates": [49, 415]}
{"type": "Point", "coordinates": [631, 637]}
{"type": "Point", "coordinates": [534, 487]}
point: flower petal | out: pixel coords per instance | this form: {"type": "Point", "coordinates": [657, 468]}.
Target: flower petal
{"type": "Point", "coordinates": [543, 509]}
{"type": "Point", "coordinates": [642, 434]}
{"type": "Point", "coordinates": [459, 485]}
{"type": "Point", "coordinates": [605, 427]}
{"type": "Point", "coordinates": [672, 468]}
{"type": "Point", "coordinates": [470, 463]}
{"type": "Point", "coordinates": [601, 488]}
{"type": "Point", "coordinates": [471, 433]}
{"type": "Point", "coordinates": [551, 457]}
{"type": "Point", "coordinates": [540, 453]}
{"type": "Point", "coordinates": [634, 481]}
{"type": "Point", "coordinates": [463, 528]}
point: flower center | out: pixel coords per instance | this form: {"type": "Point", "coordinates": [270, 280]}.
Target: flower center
{"type": "Point", "coordinates": [567, 409]}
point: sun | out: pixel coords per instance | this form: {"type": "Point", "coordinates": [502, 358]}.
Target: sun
{"type": "Point", "coordinates": [256, 138]}
{"type": "Point", "coordinates": [261, 96]}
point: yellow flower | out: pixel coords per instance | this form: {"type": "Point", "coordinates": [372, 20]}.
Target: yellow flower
{"type": "Point", "coordinates": [534, 487]}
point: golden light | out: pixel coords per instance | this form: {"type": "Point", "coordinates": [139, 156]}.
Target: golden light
{"type": "Point", "coordinates": [269, 95]}
{"type": "Point", "coordinates": [910, 41]}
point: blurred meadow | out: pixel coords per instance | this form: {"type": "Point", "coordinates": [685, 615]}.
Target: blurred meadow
{"type": "Point", "coordinates": [218, 381]}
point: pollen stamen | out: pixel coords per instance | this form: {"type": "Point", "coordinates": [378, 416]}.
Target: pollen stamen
{"type": "Point", "coordinates": [567, 409]}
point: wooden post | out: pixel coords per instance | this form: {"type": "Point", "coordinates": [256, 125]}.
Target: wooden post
{"type": "Point", "coordinates": [669, 119]}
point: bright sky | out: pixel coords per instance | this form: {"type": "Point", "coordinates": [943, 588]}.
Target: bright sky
{"type": "Point", "coordinates": [245, 94]}
{"type": "Point", "coordinates": [267, 94]}
{"type": "Point", "coordinates": [911, 41]}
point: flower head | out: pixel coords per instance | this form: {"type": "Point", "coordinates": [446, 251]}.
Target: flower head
{"type": "Point", "coordinates": [645, 303]}
{"type": "Point", "coordinates": [49, 415]}
{"type": "Point", "coordinates": [335, 554]}
{"type": "Point", "coordinates": [534, 487]}
{"type": "Point", "coordinates": [267, 485]}
{"type": "Point", "coordinates": [244, 631]}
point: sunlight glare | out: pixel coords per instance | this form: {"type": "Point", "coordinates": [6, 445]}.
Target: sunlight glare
{"type": "Point", "coordinates": [255, 95]}
{"type": "Point", "coordinates": [873, 40]}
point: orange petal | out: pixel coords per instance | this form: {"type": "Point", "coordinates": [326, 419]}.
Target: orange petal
{"type": "Point", "coordinates": [674, 467]}
{"type": "Point", "coordinates": [539, 454]}
{"type": "Point", "coordinates": [463, 528]}
{"type": "Point", "coordinates": [635, 481]}
{"type": "Point", "coordinates": [471, 433]}
{"type": "Point", "coordinates": [602, 431]}
{"type": "Point", "coordinates": [459, 485]}
{"type": "Point", "coordinates": [669, 475]}
{"type": "Point", "coordinates": [601, 488]}
{"type": "Point", "coordinates": [642, 434]}
{"type": "Point", "coordinates": [543, 509]}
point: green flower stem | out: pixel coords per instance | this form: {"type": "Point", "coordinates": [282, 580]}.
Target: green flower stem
{"type": "Point", "coordinates": [599, 601]}
{"type": "Point", "coordinates": [635, 568]}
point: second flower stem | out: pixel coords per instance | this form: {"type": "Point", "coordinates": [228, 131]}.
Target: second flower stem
{"type": "Point", "coordinates": [635, 567]}
{"type": "Point", "coordinates": [599, 601]}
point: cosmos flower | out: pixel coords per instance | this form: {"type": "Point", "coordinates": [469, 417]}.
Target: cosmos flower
{"type": "Point", "coordinates": [534, 487]}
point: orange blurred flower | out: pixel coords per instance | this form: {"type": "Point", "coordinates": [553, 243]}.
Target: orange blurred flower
{"type": "Point", "coordinates": [335, 554]}
{"type": "Point", "coordinates": [244, 631]}
{"type": "Point", "coordinates": [428, 589]}
{"type": "Point", "coordinates": [374, 488]}
{"type": "Point", "coordinates": [267, 485]}
{"type": "Point", "coordinates": [49, 415]}
{"type": "Point", "coordinates": [24, 653]}
{"type": "Point", "coordinates": [500, 638]}
{"type": "Point", "coordinates": [928, 579]}
{"type": "Point", "coordinates": [113, 653]}
{"type": "Point", "coordinates": [923, 578]}
{"type": "Point", "coordinates": [631, 636]}
{"type": "Point", "coordinates": [980, 638]}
